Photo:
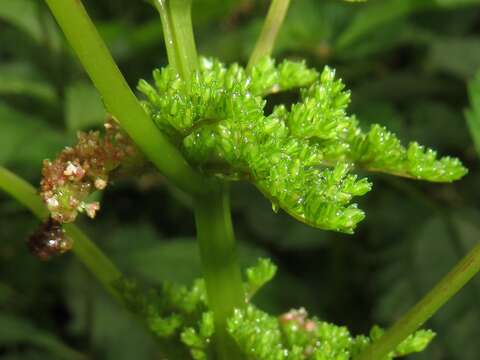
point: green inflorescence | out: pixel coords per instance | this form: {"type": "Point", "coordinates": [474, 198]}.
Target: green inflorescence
{"type": "Point", "coordinates": [300, 157]}
{"type": "Point", "coordinates": [180, 318]}
{"type": "Point", "coordinates": [258, 276]}
{"type": "Point", "coordinates": [293, 336]}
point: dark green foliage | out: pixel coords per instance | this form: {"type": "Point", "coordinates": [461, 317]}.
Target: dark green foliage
{"type": "Point", "coordinates": [407, 68]}
{"type": "Point", "coordinates": [473, 114]}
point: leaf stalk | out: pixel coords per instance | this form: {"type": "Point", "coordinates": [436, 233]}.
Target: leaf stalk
{"type": "Point", "coordinates": [445, 289]}
{"type": "Point", "coordinates": [119, 98]}
{"type": "Point", "coordinates": [86, 251]}
{"type": "Point", "coordinates": [271, 27]}
{"type": "Point", "coordinates": [178, 33]}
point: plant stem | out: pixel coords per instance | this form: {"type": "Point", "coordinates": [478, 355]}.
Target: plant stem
{"type": "Point", "coordinates": [178, 33]}
{"type": "Point", "coordinates": [119, 98]}
{"type": "Point", "coordinates": [212, 211]}
{"type": "Point", "coordinates": [271, 27]}
{"type": "Point", "coordinates": [220, 265]}
{"type": "Point", "coordinates": [86, 251]}
{"type": "Point", "coordinates": [463, 272]}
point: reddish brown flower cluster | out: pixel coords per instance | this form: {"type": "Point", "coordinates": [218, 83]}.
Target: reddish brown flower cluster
{"type": "Point", "coordinates": [49, 240]}
{"type": "Point", "coordinates": [80, 170]}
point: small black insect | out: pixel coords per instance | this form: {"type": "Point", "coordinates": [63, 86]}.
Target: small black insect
{"type": "Point", "coordinates": [49, 240]}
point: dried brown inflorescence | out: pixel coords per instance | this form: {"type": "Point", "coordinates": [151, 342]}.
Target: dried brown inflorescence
{"type": "Point", "coordinates": [49, 240]}
{"type": "Point", "coordinates": [80, 170]}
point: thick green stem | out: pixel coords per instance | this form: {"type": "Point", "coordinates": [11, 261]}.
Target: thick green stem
{"type": "Point", "coordinates": [86, 251]}
{"type": "Point", "coordinates": [178, 33]}
{"type": "Point", "coordinates": [271, 27]}
{"type": "Point", "coordinates": [220, 265]}
{"type": "Point", "coordinates": [463, 272]}
{"type": "Point", "coordinates": [212, 211]}
{"type": "Point", "coordinates": [118, 97]}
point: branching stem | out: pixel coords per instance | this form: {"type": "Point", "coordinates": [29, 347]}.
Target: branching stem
{"type": "Point", "coordinates": [119, 98]}
{"type": "Point", "coordinates": [463, 272]}
{"type": "Point", "coordinates": [271, 27]}
{"type": "Point", "coordinates": [215, 235]}
{"type": "Point", "coordinates": [85, 250]}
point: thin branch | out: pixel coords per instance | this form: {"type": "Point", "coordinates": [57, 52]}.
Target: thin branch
{"type": "Point", "coordinates": [85, 250]}
{"type": "Point", "coordinates": [271, 27]}
{"type": "Point", "coordinates": [119, 98]}
{"type": "Point", "coordinates": [178, 33]}
{"type": "Point", "coordinates": [462, 273]}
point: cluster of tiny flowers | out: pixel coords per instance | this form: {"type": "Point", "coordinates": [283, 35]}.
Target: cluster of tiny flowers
{"type": "Point", "coordinates": [299, 319]}
{"type": "Point", "coordinates": [301, 157]}
{"type": "Point", "coordinates": [296, 321]}
{"type": "Point", "coordinates": [68, 180]}
{"type": "Point", "coordinates": [177, 313]}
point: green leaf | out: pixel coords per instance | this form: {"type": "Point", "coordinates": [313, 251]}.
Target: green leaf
{"type": "Point", "coordinates": [24, 14]}
{"type": "Point", "coordinates": [31, 17]}
{"type": "Point", "coordinates": [20, 78]}
{"type": "Point", "coordinates": [416, 264]}
{"type": "Point", "coordinates": [466, 60]}
{"type": "Point", "coordinates": [473, 114]}
{"type": "Point", "coordinates": [16, 330]}
{"type": "Point", "coordinates": [115, 334]}
{"type": "Point", "coordinates": [142, 251]}
{"type": "Point", "coordinates": [25, 139]}
{"type": "Point", "coordinates": [83, 107]}
{"type": "Point", "coordinates": [373, 15]}
{"type": "Point", "coordinates": [455, 3]}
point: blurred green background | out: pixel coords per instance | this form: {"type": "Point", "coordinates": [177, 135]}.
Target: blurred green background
{"type": "Point", "coordinates": [407, 63]}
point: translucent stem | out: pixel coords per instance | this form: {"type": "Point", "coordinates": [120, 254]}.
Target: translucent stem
{"type": "Point", "coordinates": [86, 251]}
{"type": "Point", "coordinates": [456, 279]}
{"type": "Point", "coordinates": [178, 34]}
{"type": "Point", "coordinates": [212, 211]}
{"type": "Point", "coordinates": [220, 265]}
{"type": "Point", "coordinates": [271, 27]}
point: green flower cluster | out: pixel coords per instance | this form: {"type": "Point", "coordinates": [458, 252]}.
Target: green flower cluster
{"type": "Point", "coordinates": [300, 158]}
{"type": "Point", "coordinates": [180, 318]}
{"type": "Point", "coordinates": [293, 336]}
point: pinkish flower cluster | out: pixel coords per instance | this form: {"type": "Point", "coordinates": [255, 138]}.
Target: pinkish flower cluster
{"type": "Point", "coordinates": [298, 328]}
{"type": "Point", "coordinates": [298, 318]}
{"type": "Point", "coordinates": [80, 170]}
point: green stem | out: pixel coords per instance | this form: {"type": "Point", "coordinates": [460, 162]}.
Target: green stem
{"type": "Point", "coordinates": [86, 251]}
{"type": "Point", "coordinates": [271, 27]}
{"type": "Point", "coordinates": [178, 34]}
{"type": "Point", "coordinates": [212, 211]}
{"type": "Point", "coordinates": [463, 272]}
{"type": "Point", "coordinates": [220, 265]}
{"type": "Point", "coordinates": [119, 98]}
